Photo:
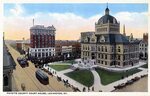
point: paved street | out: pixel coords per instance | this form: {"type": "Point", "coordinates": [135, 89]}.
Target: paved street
{"type": "Point", "coordinates": [27, 76]}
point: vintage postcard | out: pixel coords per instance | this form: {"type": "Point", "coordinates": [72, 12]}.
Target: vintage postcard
{"type": "Point", "coordinates": [58, 48]}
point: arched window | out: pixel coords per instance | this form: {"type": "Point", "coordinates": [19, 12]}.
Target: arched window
{"type": "Point", "coordinates": [5, 81]}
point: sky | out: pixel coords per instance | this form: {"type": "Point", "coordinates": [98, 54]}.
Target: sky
{"type": "Point", "coordinates": [71, 19]}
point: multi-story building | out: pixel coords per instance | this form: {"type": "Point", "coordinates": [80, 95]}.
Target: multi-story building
{"type": "Point", "coordinates": [143, 47]}
{"type": "Point", "coordinates": [66, 51]}
{"type": "Point", "coordinates": [107, 46]}
{"type": "Point", "coordinates": [68, 48]}
{"type": "Point", "coordinates": [8, 66]}
{"type": "Point", "coordinates": [23, 46]}
{"type": "Point", "coordinates": [42, 41]}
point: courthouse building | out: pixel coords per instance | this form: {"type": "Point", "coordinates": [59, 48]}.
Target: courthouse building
{"type": "Point", "coordinates": [107, 46]}
{"type": "Point", "coordinates": [42, 41]}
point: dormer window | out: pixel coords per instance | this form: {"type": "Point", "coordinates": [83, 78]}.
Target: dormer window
{"type": "Point", "coordinates": [102, 39]}
{"type": "Point", "coordinates": [86, 40]}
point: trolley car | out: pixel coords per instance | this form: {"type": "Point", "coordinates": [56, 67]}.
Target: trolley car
{"type": "Point", "coordinates": [42, 77]}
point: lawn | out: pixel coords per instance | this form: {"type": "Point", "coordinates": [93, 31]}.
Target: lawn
{"type": "Point", "coordinates": [145, 66]}
{"type": "Point", "coordinates": [84, 77]}
{"type": "Point", "coordinates": [59, 67]}
{"type": "Point", "coordinates": [108, 77]}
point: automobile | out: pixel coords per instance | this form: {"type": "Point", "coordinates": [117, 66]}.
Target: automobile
{"type": "Point", "coordinates": [26, 62]}
{"type": "Point", "coordinates": [129, 82]}
{"type": "Point", "coordinates": [137, 78]}
{"type": "Point", "coordinates": [120, 86]}
{"type": "Point", "coordinates": [23, 62]}
{"type": "Point", "coordinates": [19, 59]}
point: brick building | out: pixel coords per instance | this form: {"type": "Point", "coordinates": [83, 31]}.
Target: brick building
{"type": "Point", "coordinates": [42, 41]}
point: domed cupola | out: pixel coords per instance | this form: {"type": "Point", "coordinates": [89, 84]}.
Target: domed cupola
{"type": "Point", "coordinates": [107, 24]}
{"type": "Point", "coordinates": [107, 18]}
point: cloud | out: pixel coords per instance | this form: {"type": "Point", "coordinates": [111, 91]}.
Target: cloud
{"type": "Point", "coordinates": [133, 19]}
{"type": "Point", "coordinates": [69, 25]}
{"type": "Point", "coordinates": [135, 22]}
{"type": "Point", "coordinates": [17, 10]}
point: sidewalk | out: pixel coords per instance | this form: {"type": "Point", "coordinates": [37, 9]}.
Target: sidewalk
{"type": "Point", "coordinates": [97, 81]}
{"type": "Point", "coordinates": [124, 69]}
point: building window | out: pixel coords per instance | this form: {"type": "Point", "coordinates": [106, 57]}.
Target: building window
{"type": "Point", "coordinates": [99, 55]}
{"type": "Point", "coordinates": [46, 54]}
{"type": "Point", "coordinates": [39, 55]}
{"type": "Point", "coordinates": [105, 48]}
{"type": "Point", "coordinates": [35, 54]}
{"type": "Point", "coordinates": [43, 54]}
{"type": "Point", "coordinates": [119, 63]}
{"type": "Point", "coordinates": [5, 80]}
{"type": "Point", "coordinates": [102, 62]}
{"type": "Point", "coordinates": [105, 62]}
{"type": "Point", "coordinates": [105, 56]}
{"type": "Point", "coordinates": [118, 57]}
{"type": "Point", "coordinates": [119, 49]}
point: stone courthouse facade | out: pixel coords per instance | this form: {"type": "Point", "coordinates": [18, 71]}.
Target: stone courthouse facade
{"type": "Point", "coordinates": [107, 46]}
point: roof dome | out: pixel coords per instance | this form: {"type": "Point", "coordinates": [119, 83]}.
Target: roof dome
{"type": "Point", "coordinates": [107, 18]}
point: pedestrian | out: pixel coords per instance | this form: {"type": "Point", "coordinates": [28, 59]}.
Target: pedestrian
{"type": "Point", "coordinates": [23, 86]}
